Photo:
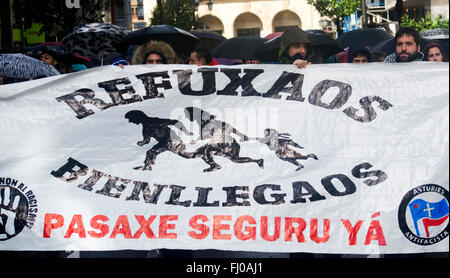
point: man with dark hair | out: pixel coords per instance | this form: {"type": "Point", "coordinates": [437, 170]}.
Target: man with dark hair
{"type": "Point", "coordinates": [358, 54]}
{"type": "Point", "coordinates": [200, 57]}
{"type": "Point", "coordinates": [407, 47]}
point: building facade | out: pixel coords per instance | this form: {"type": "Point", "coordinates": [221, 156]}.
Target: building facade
{"type": "Point", "coordinates": [233, 18]}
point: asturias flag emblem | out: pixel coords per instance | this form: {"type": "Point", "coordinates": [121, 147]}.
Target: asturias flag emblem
{"type": "Point", "coordinates": [432, 214]}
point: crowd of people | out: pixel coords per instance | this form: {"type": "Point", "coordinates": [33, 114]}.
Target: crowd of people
{"type": "Point", "coordinates": [295, 49]}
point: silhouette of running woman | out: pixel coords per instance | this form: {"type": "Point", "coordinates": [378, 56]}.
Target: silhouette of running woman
{"type": "Point", "coordinates": [158, 129]}
{"type": "Point", "coordinates": [280, 142]}
{"type": "Point", "coordinates": [220, 140]}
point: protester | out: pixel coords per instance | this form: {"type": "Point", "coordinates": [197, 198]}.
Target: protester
{"type": "Point", "coordinates": [202, 57]}
{"type": "Point", "coordinates": [378, 56]}
{"type": "Point", "coordinates": [154, 52]}
{"type": "Point", "coordinates": [434, 52]}
{"type": "Point", "coordinates": [55, 55]}
{"type": "Point", "coordinates": [358, 54]}
{"type": "Point", "coordinates": [295, 48]}
{"type": "Point", "coordinates": [407, 47]}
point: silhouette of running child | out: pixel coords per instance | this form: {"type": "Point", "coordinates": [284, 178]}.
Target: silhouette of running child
{"type": "Point", "coordinates": [158, 129]}
{"type": "Point", "coordinates": [280, 142]}
{"type": "Point", "coordinates": [220, 143]}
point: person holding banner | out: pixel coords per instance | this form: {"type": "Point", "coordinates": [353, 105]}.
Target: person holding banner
{"type": "Point", "coordinates": [407, 47]}
{"type": "Point", "coordinates": [434, 52]}
{"type": "Point", "coordinates": [295, 48]}
{"type": "Point", "coordinates": [358, 54]}
{"type": "Point", "coordinates": [154, 52]}
{"type": "Point", "coordinates": [201, 57]}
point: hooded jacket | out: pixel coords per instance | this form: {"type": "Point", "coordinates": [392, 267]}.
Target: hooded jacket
{"type": "Point", "coordinates": [160, 47]}
{"type": "Point", "coordinates": [290, 36]}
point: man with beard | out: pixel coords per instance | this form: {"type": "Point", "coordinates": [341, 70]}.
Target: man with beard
{"type": "Point", "coordinates": [407, 47]}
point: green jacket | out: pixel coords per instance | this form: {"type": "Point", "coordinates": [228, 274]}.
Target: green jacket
{"type": "Point", "coordinates": [290, 36]}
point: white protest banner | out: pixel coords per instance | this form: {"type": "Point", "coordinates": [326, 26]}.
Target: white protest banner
{"type": "Point", "coordinates": [341, 158]}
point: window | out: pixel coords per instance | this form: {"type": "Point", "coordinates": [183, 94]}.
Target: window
{"type": "Point", "coordinates": [249, 32]}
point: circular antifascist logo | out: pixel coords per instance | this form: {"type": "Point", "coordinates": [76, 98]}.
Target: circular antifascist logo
{"type": "Point", "coordinates": [15, 208]}
{"type": "Point", "coordinates": [423, 214]}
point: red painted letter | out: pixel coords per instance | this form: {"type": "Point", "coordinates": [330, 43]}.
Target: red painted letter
{"type": "Point", "coordinates": [204, 229]}
{"type": "Point", "coordinates": [164, 226]}
{"type": "Point", "coordinates": [76, 226]}
{"type": "Point", "coordinates": [264, 229]}
{"type": "Point", "coordinates": [251, 231]}
{"type": "Point", "coordinates": [289, 229]}
{"type": "Point", "coordinates": [104, 229]}
{"type": "Point", "coordinates": [49, 224]}
{"type": "Point", "coordinates": [218, 226]}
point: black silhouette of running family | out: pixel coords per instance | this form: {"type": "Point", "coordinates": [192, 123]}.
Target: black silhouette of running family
{"type": "Point", "coordinates": [219, 136]}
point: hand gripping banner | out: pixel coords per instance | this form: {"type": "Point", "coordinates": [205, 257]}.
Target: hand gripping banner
{"type": "Point", "coordinates": [340, 158]}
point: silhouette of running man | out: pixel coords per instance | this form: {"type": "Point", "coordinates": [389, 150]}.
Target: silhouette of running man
{"type": "Point", "coordinates": [220, 140]}
{"type": "Point", "coordinates": [280, 142]}
{"type": "Point", "coordinates": [158, 129]}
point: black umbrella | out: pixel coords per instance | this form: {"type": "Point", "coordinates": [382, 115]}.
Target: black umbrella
{"type": "Point", "coordinates": [321, 41]}
{"type": "Point", "coordinates": [388, 46]}
{"type": "Point", "coordinates": [243, 48]}
{"type": "Point", "coordinates": [58, 51]}
{"type": "Point", "coordinates": [20, 66]}
{"type": "Point", "coordinates": [95, 40]}
{"type": "Point", "coordinates": [208, 39]}
{"type": "Point", "coordinates": [180, 40]}
{"type": "Point", "coordinates": [366, 36]}
{"type": "Point", "coordinates": [435, 34]}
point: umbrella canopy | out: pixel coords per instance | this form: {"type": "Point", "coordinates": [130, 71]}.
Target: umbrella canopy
{"type": "Point", "coordinates": [95, 40]}
{"type": "Point", "coordinates": [435, 34]}
{"type": "Point", "coordinates": [208, 39]}
{"type": "Point", "coordinates": [321, 41]}
{"type": "Point", "coordinates": [21, 66]}
{"type": "Point", "coordinates": [366, 36]}
{"type": "Point", "coordinates": [58, 51]}
{"type": "Point", "coordinates": [180, 40]}
{"type": "Point", "coordinates": [388, 46]}
{"type": "Point", "coordinates": [243, 48]}
{"type": "Point", "coordinates": [273, 35]}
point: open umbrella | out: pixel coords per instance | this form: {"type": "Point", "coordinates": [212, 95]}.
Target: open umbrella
{"type": "Point", "coordinates": [323, 42]}
{"type": "Point", "coordinates": [95, 40]}
{"type": "Point", "coordinates": [388, 46]}
{"type": "Point", "coordinates": [180, 40]}
{"type": "Point", "coordinates": [58, 51]}
{"type": "Point", "coordinates": [273, 35]}
{"type": "Point", "coordinates": [243, 48]}
{"type": "Point", "coordinates": [366, 36]}
{"type": "Point", "coordinates": [435, 34]}
{"type": "Point", "coordinates": [21, 66]}
{"type": "Point", "coordinates": [207, 39]}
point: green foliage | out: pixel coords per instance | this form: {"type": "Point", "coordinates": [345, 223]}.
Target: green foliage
{"type": "Point", "coordinates": [425, 23]}
{"type": "Point", "coordinates": [177, 13]}
{"type": "Point", "coordinates": [56, 18]}
{"type": "Point", "coordinates": [336, 10]}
